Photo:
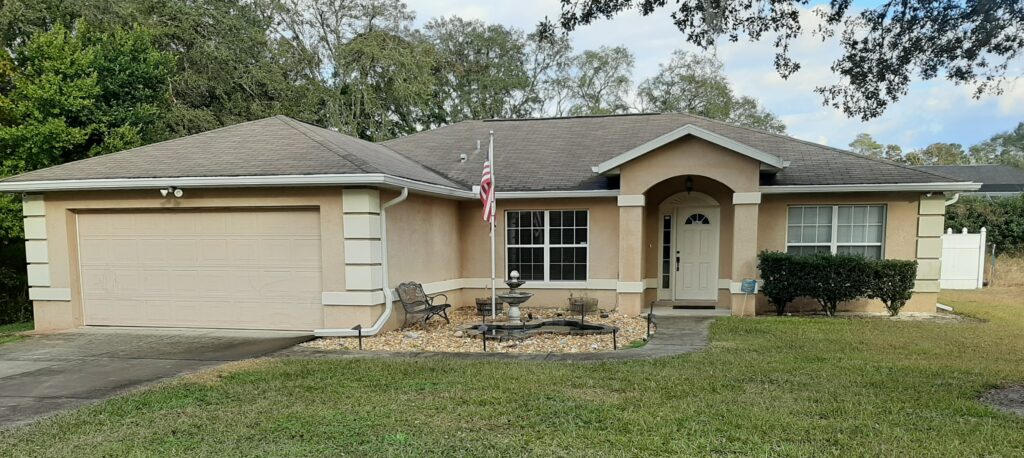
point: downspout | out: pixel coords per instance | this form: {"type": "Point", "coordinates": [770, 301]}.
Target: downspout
{"type": "Point", "coordinates": [385, 278]}
{"type": "Point", "coordinates": [953, 199]}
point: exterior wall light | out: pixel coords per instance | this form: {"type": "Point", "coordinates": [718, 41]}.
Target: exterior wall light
{"type": "Point", "coordinates": [172, 191]}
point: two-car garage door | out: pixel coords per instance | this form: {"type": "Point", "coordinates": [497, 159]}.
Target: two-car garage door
{"type": "Point", "coordinates": [243, 269]}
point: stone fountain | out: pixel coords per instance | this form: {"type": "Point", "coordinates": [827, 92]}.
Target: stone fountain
{"type": "Point", "coordinates": [513, 297]}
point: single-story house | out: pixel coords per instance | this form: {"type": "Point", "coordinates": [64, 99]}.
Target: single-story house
{"type": "Point", "coordinates": [995, 180]}
{"type": "Point", "coordinates": [278, 224]}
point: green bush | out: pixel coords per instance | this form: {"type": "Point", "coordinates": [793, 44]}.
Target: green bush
{"type": "Point", "coordinates": [892, 282]}
{"type": "Point", "coordinates": [780, 279]}
{"type": "Point", "coordinates": [14, 304]}
{"type": "Point", "coordinates": [833, 279]}
{"type": "Point", "coordinates": [1003, 217]}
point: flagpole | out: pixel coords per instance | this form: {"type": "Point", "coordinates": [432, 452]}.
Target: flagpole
{"type": "Point", "coordinates": [490, 158]}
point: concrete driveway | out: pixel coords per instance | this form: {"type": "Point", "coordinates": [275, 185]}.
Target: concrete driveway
{"type": "Point", "coordinates": [46, 374]}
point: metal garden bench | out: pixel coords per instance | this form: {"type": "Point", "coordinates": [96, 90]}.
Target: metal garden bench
{"type": "Point", "coordinates": [416, 302]}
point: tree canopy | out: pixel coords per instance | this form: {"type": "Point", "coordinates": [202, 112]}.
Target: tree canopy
{"type": "Point", "coordinates": [697, 84]}
{"type": "Point", "coordinates": [884, 46]}
{"type": "Point", "coordinates": [1005, 148]}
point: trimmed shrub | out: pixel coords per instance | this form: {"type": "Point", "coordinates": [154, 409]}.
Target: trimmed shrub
{"type": "Point", "coordinates": [892, 282]}
{"type": "Point", "coordinates": [834, 279]}
{"type": "Point", "coordinates": [780, 279]}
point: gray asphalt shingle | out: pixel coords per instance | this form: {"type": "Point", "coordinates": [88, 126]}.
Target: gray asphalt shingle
{"type": "Point", "coordinates": [272, 146]}
{"type": "Point", "coordinates": [531, 154]}
{"type": "Point", "coordinates": [558, 153]}
{"type": "Point", "coordinates": [993, 178]}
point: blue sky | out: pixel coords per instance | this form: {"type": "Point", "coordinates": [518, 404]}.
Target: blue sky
{"type": "Point", "coordinates": [933, 111]}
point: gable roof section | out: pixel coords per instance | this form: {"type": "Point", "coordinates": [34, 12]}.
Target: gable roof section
{"type": "Point", "coordinates": [552, 157]}
{"type": "Point", "coordinates": [993, 178]}
{"type": "Point", "coordinates": [689, 129]}
{"type": "Point", "coordinates": [559, 154]}
{"type": "Point", "coordinates": [271, 147]}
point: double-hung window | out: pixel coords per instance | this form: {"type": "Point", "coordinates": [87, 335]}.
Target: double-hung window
{"type": "Point", "coordinates": [836, 229]}
{"type": "Point", "coordinates": [547, 245]}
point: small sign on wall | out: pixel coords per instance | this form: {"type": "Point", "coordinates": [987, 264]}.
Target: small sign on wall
{"type": "Point", "coordinates": [748, 286]}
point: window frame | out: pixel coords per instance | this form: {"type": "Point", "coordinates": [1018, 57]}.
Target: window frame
{"type": "Point", "coordinates": [834, 243]}
{"type": "Point", "coordinates": [547, 245]}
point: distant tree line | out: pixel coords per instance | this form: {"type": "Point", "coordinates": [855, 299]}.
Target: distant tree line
{"type": "Point", "coordinates": [1002, 148]}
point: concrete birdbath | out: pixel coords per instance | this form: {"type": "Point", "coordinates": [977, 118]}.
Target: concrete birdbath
{"type": "Point", "coordinates": [513, 297]}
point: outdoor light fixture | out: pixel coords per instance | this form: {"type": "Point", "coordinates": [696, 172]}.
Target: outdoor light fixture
{"type": "Point", "coordinates": [689, 184]}
{"type": "Point", "coordinates": [171, 191]}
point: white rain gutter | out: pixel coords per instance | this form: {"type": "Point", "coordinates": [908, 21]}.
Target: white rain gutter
{"type": "Point", "coordinates": [385, 278]}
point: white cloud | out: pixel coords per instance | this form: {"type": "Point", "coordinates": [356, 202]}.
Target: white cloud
{"type": "Point", "coordinates": [932, 111]}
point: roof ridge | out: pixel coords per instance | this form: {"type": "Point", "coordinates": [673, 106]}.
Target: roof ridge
{"type": "Point", "coordinates": [551, 118]}
{"type": "Point", "coordinates": [838, 150]}
{"type": "Point", "coordinates": [331, 147]}
{"type": "Point", "coordinates": [117, 153]}
{"type": "Point", "coordinates": [427, 131]}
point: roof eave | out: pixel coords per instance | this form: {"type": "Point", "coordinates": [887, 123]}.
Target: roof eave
{"type": "Point", "coordinates": [110, 184]}
{"type": "Point", "coordinates": [766, 159]}
{"type": "Point", "coordinates": [959, 186]}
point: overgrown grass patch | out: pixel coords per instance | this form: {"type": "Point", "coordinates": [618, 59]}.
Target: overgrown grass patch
{"type": "Point", "coordinates": [768, 386]}
{"type": "Point", "coordinates": [8, 332]}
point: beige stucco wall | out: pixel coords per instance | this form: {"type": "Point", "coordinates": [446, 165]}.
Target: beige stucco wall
{"type": "Point", "coordinates": [690, 156]}
{"type": "Point", "coordinates": [445, 243]}
{"type": "Point", "coordinates": [900, 238]}
{"type": "Point", "coordinates": [602, 243]}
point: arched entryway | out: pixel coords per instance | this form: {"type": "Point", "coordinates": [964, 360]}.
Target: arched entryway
{"type": "Point", "coordinates": [689, 241]}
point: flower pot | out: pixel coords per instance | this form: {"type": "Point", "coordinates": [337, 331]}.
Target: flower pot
{"type": "Point", "coordinates": [578, 304]}
{"type": "Point", "coordinates": [483, 305]}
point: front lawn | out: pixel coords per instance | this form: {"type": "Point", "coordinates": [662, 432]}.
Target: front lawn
{"type": "Point", "coordinates": [766, 386]}
{"type": "Point", "coordinates": [8, 332]}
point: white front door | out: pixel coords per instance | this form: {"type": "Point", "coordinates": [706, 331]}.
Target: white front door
{"type": "Point", "coordinates": [696, 251]}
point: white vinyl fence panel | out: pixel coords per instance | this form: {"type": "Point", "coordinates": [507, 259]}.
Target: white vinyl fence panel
{"type": "Point", "coordinates": [963, 260]}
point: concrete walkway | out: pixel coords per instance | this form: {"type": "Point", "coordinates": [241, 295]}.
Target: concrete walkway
{"type": "Point", "coordinates": [675, 335]}
{"type": "Point", "coordinates": [46, 374]}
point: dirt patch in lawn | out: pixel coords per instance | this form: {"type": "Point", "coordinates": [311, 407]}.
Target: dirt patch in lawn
{"type": "Point", "coordinates": [437, 336]}
{"type": "Point", "coordinates": [1009, 399]}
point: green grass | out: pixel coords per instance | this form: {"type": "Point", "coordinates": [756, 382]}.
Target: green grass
{"type": "Point", "coordinates": [765, 387]}
{"type": "Point", "coordinates": [8, 331]}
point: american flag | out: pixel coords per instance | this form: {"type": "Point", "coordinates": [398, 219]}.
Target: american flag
{"type": "Point", "coordinates": [487, 193]}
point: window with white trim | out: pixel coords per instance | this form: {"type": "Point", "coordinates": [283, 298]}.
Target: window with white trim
{"type": "Point", "coordinates": [547, 245]}
{"type": "Point", "coordinates": [836, 229]}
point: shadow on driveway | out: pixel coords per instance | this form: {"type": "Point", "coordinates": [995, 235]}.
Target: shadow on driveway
{"type": "Point", "coordinates": [42, 375]}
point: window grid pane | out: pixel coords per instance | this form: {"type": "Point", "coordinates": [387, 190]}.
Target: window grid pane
{"type": "Point", "coordinates": [568, 240]}
{"type": "Point", "coordinates": [858, 229]}
{"type": "Point", "coordinates": [556, 249]}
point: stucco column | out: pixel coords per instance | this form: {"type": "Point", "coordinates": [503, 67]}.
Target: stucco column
{"type": "Point", "coordinates": [744, 249]}
{"type": "Point", "coordinates": [630, 287]}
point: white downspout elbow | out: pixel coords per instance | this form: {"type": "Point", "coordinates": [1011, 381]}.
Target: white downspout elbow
{"type": "Point", "coordinates": [385, 278]}
{"type": "Point", "coordinates": [953, 199]}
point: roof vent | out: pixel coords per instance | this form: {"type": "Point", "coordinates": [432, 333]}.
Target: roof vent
{"type": "Point", "coordinates": [463, 157]}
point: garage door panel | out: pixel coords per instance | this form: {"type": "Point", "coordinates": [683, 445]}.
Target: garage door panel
{"type": "Point", "coordinates": [227, 269]}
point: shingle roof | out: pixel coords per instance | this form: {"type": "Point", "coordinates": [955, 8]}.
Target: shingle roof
{"type": "Point", "coordinates": [558, 153]}
{"type": "Point", "coordinates": [270, 146]}
{"type": "Point", "coordinates": [993, 178]}
{"type": "Point", "coordinates": [550, 154]}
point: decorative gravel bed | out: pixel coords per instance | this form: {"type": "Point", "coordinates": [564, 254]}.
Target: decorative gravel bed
{"type": "Point", "coordinates": [440, 337]}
